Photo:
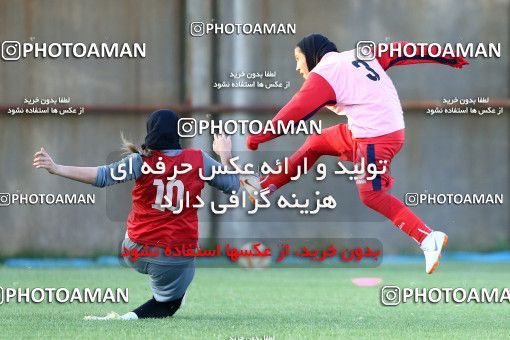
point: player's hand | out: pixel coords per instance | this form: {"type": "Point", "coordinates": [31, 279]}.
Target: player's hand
{"type": "Point", "coordinates": [222, 146]}
{"type": "Point", "coordinates": [43, 160]}
{"type": "Point", "coordinates": [251, 143]}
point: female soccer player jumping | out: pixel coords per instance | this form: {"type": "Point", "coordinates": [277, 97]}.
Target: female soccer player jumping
{"type": "Point", "coordinates": [363, 92]}
{"type": "Point", "coordinates": [151, 222]}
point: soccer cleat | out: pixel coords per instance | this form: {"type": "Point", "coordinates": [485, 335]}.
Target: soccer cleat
{"type": "Point", "coordinates": [109, 316]}
{"type": "Point", "coordinates": [251, 183]}
{"type": "Point", "coordinates": [432, 246]}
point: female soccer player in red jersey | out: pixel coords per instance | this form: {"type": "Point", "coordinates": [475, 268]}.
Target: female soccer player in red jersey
{"type": "Point", "coordinates": [151, 222]}
{"type": "Point", "coordinates": [361, 90]}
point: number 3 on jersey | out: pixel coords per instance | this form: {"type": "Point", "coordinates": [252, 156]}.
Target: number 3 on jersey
{"type": "Point", "coordinates": [169, 196]}
{"type": "Point", "coordinates": [372, 75]}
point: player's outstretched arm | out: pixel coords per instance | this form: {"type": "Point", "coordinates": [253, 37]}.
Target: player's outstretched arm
{"type": "Point", "coordinates": [42, 160]}
{"type": "Point", "coordinates": [315, 93]}
{"type": "Point", "coordinates": [227, 183]}
{"type": "Point", "coordinates": [387, 59]}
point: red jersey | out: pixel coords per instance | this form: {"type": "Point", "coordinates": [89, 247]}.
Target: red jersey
{"type": "Point", "coordinates": [152, 220]}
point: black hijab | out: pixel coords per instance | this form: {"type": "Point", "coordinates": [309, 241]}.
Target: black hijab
{"type": "Point", "coordinates": [162, 131]}
{"type": "Point", "coordinates": [314, 47]}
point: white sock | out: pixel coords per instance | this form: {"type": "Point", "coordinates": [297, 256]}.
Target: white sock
{"type": "Point", "coordinates": [129, 316]}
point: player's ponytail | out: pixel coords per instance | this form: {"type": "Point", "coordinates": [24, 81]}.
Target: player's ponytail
{"type": "Point", "coordinates": [129, 147]}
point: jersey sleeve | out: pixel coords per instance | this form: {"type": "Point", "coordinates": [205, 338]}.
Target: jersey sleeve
{"type": "Point", "coordinates": [127, 169]}
{"type": "Point", "coordinates": [386, 60]}
{"type": "Point", "coordinates": [224, 182]}
{"type": "Point", "coordinates": [315, 93]}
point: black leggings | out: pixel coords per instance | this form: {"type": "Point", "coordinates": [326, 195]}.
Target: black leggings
{"type": "Point", "coordinates": [155, 309]}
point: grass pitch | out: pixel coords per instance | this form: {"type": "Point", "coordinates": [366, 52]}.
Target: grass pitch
{"type": "Point", "coordinates": [281, 303]}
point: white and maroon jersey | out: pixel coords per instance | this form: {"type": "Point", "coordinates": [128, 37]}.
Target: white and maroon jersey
{"type": "Point", "coordinates": [364, 92]}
